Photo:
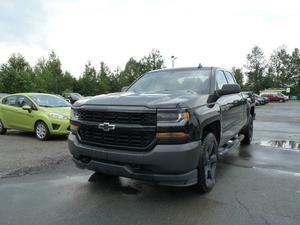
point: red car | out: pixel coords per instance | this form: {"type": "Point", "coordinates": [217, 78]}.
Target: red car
{"type": "Point", "coordinates": [274, 97]}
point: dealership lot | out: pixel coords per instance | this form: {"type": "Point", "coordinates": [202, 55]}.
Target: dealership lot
{"type": "Point", "coordinates": [258, 184]}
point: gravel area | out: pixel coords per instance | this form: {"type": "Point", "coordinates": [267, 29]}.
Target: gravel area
{"type": "Point", "coordinates": [21, 153]}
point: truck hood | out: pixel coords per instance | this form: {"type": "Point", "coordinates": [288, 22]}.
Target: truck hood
{"type": "Point", "coordinates": [150, 99]}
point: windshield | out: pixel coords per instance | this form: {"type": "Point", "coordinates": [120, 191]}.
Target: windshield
{"type": "Point", "coordinates": [173, 80]}
{"type": "Point", "coordinates": [49, 101]}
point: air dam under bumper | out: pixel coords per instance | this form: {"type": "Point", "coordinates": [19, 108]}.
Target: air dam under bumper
{"type": "Point", "coordinates": [171, 165]}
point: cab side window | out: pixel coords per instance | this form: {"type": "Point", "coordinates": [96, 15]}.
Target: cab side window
{"type": "Point", "coordinates": [10, 100]}
{"type": "Point", "coordinates": [230, 78]}
{"type": "Point", "coordinates": [22, 100]}
{"type": "Point", "coordinates": [220, 79]}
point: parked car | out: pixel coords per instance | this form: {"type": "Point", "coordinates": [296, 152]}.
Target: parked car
{"type": "Point", "coordinates": [169, 127]}
{"type": "Point", "coordinates": [260, 100]}
{"type": "Point", "coordinates": [72, 97]}
{"type": "Point", "coordinates": [43, 114]}
{"type": "Point", "coordinates": [286, 98]}
{"type": "Point", "coordinates": [249, 95]}
{"type": "Point", "coordinates": [2, 95]}
{"type": "Point", "coordinates": [274, 97]}
{"type": "Point", "coordinates": [266, 99]}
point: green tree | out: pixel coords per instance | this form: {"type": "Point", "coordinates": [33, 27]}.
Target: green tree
{"type": "Point", "coordinates": [280, 66]}
{"type": "Point", "coordinates": [104, 81]}
{"type": "Point", "coordinates": [256, 65]}
{"type": "Point", "coordinates": [295, 72]}
{"type": "Point", "coordinates": [87, 83]}
{"type": "Point", "coordinates": [239, 76]}
{"type": "Point", "coordinates": [67, 82]}
{"type": "Point", "coordinates": [115, 82]}
{"type": "Point", "coordinates": [133, 69]}
{"type": "Point", "coordinates": [50, 77]}
{"type": "Point", "coordinates": [16, 75]}
{"type": "Point", "coordinates": [153, 61]}
{"type": "Point", "coordinates": [268, 79]}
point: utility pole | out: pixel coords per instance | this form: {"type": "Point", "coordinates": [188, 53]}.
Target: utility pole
{"type": "Point", "coordinates": [173, 60]}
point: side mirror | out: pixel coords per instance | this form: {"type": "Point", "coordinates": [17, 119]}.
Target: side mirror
{"type": "Point", "coordinates": [27, 107]}
{"type": "Point", "coordinates": [124, 89]}
{"type": "Point", "coordinates": [228, 89]}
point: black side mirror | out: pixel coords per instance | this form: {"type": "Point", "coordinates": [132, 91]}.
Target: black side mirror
{"type": "Point", "coordinates": [228, 89]}
{"type": "Point", "coordinates": [124, 89]}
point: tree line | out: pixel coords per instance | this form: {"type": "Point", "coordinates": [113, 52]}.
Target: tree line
{"type": "Point", "coordinates": [281, 70]}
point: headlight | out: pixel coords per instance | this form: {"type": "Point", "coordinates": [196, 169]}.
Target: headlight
{"type": "Point", "coordinates": [56, 116]}
{"type": "Point", "coordinates": [172, 116]}
{"type": "Point", "coordinates": [74, 115]}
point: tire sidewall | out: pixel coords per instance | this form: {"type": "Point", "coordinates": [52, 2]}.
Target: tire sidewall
{"type": "Point", "coordinates": [2, 128]}
{"type": "Point", "coordinates": [46, 134]}
{"type": "Point", "coordinates": [202, 184]}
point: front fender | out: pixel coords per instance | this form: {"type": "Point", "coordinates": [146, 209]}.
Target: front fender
{"type": "Point", "coordinates": [206, 115]}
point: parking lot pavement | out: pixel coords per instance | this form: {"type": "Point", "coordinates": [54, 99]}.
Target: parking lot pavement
{"type": "Point", "coordinates": [21, 153]}
{"type": "Point", "coordinates": [257, 184]}
{"type": "Point", "coordinates": [278, 122]}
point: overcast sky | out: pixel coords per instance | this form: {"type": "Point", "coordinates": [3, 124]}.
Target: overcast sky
{"type": "Point", "coordinates": [215, 33]}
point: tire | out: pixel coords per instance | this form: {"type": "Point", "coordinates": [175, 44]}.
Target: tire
{"type": "Point", "coordinates": [2, 128]}
{"type": "Point", "coordinates": [42, 131]}
{"type": "Point", "coordinates": [248, 132]}
{"type": "Point", "coordinates": [207, 164]}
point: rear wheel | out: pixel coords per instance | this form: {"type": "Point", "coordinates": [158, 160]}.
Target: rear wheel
{"type": "Point", "coordinates": [248, 132]}
{"type": "Point", "coordinates": [2, 128]}
{"type": "Point", "coordinates": [41, 131]}
{"type": "Point", "coordinates": [207, 164]}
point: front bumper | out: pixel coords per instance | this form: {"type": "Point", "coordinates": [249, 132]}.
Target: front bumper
{"type": "Point", "coordinates": [63, 127]}
{"type": "Point", "coordinates": [171, 165]}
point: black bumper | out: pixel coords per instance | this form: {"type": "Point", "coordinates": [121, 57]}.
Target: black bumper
{"type": "Point", "coordinates": [171, 165]}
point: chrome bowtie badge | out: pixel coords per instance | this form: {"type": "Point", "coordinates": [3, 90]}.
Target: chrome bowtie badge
{"type": "Point", "coordinates": [106, 126]}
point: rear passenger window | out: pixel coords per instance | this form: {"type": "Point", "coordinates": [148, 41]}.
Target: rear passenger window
{"type": "Point", "coordinates": [220, 79]}
{"type": "Point", "coordinates": [11, 100]}
{"type": "Point", "coordinates": [230, 78]}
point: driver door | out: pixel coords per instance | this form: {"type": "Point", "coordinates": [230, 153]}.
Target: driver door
{"type": "Point", "coordinates": [24, 119]}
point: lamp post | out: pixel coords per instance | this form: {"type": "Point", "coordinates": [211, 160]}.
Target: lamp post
{"type": "Point", "coordinates": [173, 60]}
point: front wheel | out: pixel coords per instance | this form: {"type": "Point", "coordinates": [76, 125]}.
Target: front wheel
{"type": "Point", "coordinates": [41, 131]}
{"type": "Point", "coordinates": [2, 128]}
{"type": "Point", "coordinates": [207, 164]}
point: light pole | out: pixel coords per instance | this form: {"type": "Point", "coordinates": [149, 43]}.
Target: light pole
{"type": "Point", "coordinates": [173, 60]}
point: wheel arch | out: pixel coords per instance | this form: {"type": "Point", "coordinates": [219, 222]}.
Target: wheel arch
{"type": "Point", "coordinates": [40, 120]}
{"type": "Point", "coordinates": [214, 127]}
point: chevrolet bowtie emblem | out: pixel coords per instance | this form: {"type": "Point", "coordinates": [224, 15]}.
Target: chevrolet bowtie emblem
{"type": "Point", "coordinates": [106, 126]}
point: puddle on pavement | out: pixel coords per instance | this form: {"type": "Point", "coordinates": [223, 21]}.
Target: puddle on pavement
{"type": "Point", "coordinates": [283, 144]}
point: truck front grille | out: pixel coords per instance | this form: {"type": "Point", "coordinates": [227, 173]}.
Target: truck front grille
{"type": "Point", "coordinates": [130, 139]}
{"type": "Point", "coordinates": [146, 119]}
{"type": "Point", "coordinates": [133, 130]}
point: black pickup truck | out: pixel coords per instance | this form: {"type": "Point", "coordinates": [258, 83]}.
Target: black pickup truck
{"type": "Point", "coordinates": [169, 127]}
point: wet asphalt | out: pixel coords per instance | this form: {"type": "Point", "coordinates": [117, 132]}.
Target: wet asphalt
{"type": "Point", "coordinates": [256, 184]}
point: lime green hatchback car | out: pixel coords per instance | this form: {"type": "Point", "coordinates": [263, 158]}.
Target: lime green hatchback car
{"type": "Point", "coordinates": [43, 114]}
